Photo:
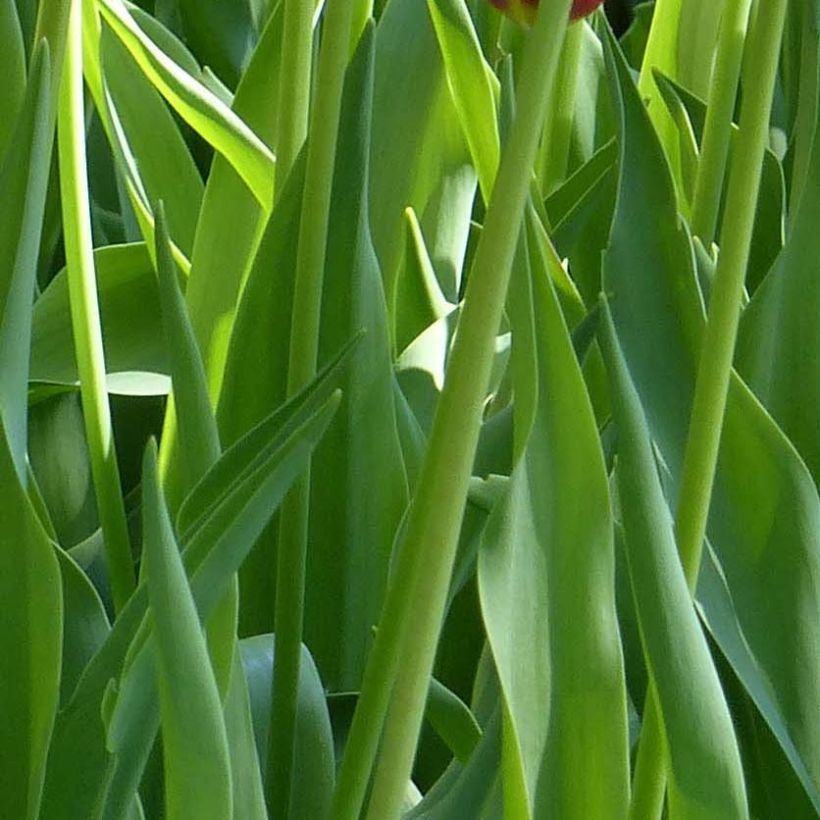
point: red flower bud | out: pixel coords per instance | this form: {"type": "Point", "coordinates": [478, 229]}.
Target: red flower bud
{"type": "Point", "coordinates": [523, 11]}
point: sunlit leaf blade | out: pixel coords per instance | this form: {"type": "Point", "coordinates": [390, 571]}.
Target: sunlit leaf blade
{"type": "Point", "coordinates": [149, 141]}
{"type": "Point", "coordinates": [231, 219]}
{"type": "Point", "coordinates": [194, 740]}
{"type": "Point", "coordinates": [546, 576]}
{"type": "Point", "coordinates": [472, 84]}
{"type": "Point", "coordinates": [31, 623]}
{"type": "Point", "coordinates": [765, 532]}
{"type": "Point", "coordinates": [314, 764]}
{"type": "Point", "coordinates": [23, 181]}
{"type": "Point", "coordinates": [705, 773]}
{"type": "Point", "coordinates": [197, 105]}
{"type": "Point", "coordinates": [231, 223]}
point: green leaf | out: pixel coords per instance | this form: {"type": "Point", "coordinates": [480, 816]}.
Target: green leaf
{"type": "Point", "coordinates": [765, 573]}
{"type": "Point", "coordinates": [195, 743]}
{"type": "Point", "coordinates": [705, 772]}
{"type": "Point", "coordinates": [31, 626]}
{"type": "Point", "coordinates": [231, 220]}
{"type": "Point", "coordinates": [314, 763]}
{"type": "Point", "coordinates": [452, 720]}
{"type": "Point", "coordinates": [23, 181]}
{"type": "Point", "coordinates": [148, 144]}
{"type": "Point", "coordinates": [247, 484]}
{"type": "Point", "coordinates": [419, 300]}
{"type": "Point", "coordinates": [473, 86]}
{"type": "Point", "coordinates": [422, 159]}
{"type": "Point", "coordinates": [360, 456]}
{"type": "Point", "coordinates": [198, 106]}
{"type": "Point", "coordinates": [778, 331]}
{"type": "Point", "coordinates": [85, 626]}
{"type": "Point", "coordinates": [135, 356]}
{"type": "Point", "coordinates": [546, 576]}
{"type": "Point", "coordinates": [221, 34]}
{"type": "Point", "coordinates": [12, 70]}
{"type": "Point", "coordinates": [198, 436]}
{"type": "Point", "coordinates": [246, 774]}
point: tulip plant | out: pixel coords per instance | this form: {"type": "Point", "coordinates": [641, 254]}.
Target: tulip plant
{"type": "Point", "coordinates": [409, 409]}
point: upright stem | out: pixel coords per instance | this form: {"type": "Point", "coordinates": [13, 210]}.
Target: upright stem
{"type": "Point", "coordinates": [558, 136]}
{"type": "Point", "coordinates": [712, 385]}
{"type": "Point", "coordinates": [714, 371]}
{"type": "Point", "coordinates": [401, 661]}
{"type": "Point", "coordinates": [304, 347]}
{"type": "Point", "coordinates": [294, 85]}
{"type": "Point", "coordinates": [717, 131]}
{"type": "Point", "coordinates": [85, 316]}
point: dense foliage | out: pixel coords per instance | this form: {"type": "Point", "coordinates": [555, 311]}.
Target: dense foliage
{"type": "Point", "coordinates": [409, 410]}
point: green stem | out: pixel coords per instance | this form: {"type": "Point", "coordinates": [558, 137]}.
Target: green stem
{"type": "Point", "coordinates": [717, 131]}
{"type": "Point", "coordinates": [85, 316]}
{"type": "Point", "coordinates": [554, 158]}
{"type": "Point", "coordinates": [304, 348]}
{"type": "Point", "coordinates": [712, 385]}
{"type": "Point", "coordinates": [400, 663]}
{"type": "Point", "coordinates": [294, 85]}
{"type": "Point", "coordinates": [649, 780]}
{"type": "Point", "coordinates": [714, 371]}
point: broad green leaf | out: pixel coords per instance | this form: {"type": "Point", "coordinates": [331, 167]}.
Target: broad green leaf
{"type": "Point", "coordinates": [56, 448]}
{"type": "Point", "coordinates": [135, 356]}
{"type": "Point", "coordinates": [255, 377]}
{"type": "Point", "coordinates": [221, 34]}
{"type": "Point", "coordinates": [85, 624]}
{"type": "Point", "coordinates": [350, 544]}
{"type": "Point", "coordinates": [704, 768]}
{"type": "Point", "coordinates": [198, 106]}
{"type": "Point", "coordinates": [224, 528]}
{"type": "Point", "coordinates": [194, 740]}
{"type": "Point", "coordinates": [765, 532]}
{"type": "Point", "coordinates": [546, 577]}
{"type": "Point", "coordinates": [314, 763]}
{"type": "Point", "coordinates": [12, 70]}
{"type": "Point", "coordinates": [23, 181]}
{"type": "Point", "coordinates": [420, 158]}
{"type": "Point", "coordinates": [779, 335]}
{"type": "Point", "coordinates": [473, 86]}
{"type": "Point", "coordinates": [31, 637]}
{"type": "Point", "coordinates": [360, 456]}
